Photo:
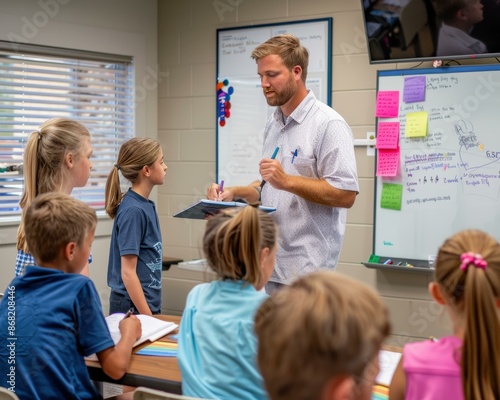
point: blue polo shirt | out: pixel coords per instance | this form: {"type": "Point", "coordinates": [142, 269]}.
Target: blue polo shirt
{"type": "Point", "coordinates": [51, 320]}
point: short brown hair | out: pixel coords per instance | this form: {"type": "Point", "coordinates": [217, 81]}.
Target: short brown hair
{"type": "Point", "coordinates": [322, 326]}
{"type": "Point", "coordinates": [447, 9]}
{"type": "Point", "coordinates": [289, 48]}
{"type": "Point", "coordinates": [53, 220]}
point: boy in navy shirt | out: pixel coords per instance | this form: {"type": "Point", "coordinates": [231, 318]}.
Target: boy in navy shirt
{"type": "Point", "coordinates": [51, 317]}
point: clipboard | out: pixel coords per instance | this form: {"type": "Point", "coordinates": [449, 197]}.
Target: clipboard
{"type": "Point", "coordinates": [203, 207]}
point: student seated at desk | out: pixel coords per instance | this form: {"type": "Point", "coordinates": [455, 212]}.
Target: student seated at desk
{"type": "Point", "coordinates": [320, 337]}
{"type": "Point", "coordinates": [465, 365]}
{"type": "Point", "coordinates": [52, 315]}
{"type": "Point", "coordinates": [217, 345]}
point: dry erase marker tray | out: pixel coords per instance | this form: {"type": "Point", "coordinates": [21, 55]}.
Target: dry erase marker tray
{"type": "Point", "coordinates": [399, 265]}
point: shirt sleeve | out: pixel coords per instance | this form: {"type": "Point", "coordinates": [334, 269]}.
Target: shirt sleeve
{"type": "Point", "coordinates": [93, 332]}
{"type": "Point", "coordinates": [132, 226]}
{"type": "Point", "coordinates": [336, 158]}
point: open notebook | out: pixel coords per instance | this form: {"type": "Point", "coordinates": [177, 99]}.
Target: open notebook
{"type": "Point", "coordinates": [152, 329]}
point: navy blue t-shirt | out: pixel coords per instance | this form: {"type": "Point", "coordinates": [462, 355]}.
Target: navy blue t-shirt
{"type": "Point", "coordinates": [136, 231]}
{"type": "Point", "coordinates": [50, 321]}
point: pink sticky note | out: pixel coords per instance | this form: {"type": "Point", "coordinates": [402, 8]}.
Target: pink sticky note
{"type": "Point", "coordinates": [387, 135]}
{"type": "Point", "coordinates": [387, 103]}
{"type": "Point", "coordinates": [388, 162]}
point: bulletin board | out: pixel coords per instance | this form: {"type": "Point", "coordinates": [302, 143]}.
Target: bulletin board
{"type": "Point", "coordinates": [242, 110]}
{"type": "Point", "coordinates": [444, 174]}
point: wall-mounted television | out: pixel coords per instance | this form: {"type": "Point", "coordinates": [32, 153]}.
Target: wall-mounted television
{"type": "Point", "coordinates": [413, 30]}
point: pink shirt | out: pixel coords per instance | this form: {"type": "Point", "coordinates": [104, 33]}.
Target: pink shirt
{"type": "Point", "coordinates": [433, 369]}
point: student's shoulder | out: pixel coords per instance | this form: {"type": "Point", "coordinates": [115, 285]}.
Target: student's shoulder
{"type": "Point", "coordinates": [199, 290]}
{"type": "Point", "coordinates": [433, 346]}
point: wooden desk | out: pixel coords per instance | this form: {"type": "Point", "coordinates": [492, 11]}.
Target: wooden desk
{"type": "Point", "coordinates": [161, 373]}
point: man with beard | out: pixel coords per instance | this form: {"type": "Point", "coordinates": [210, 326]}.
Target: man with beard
{"type": "Point", "coordinates": [312, 181]}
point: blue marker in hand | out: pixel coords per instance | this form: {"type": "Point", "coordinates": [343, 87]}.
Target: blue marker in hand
{"type": "Point", "coordinates": [272, 157]}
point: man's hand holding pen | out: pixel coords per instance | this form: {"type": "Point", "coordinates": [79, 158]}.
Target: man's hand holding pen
{"type": "Point", "coordinates": [214, 192]}
{"type": "Point", "coordinates": [272, 172]}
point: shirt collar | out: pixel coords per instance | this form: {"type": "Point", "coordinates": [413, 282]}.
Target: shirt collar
{"type": "Point", "coordinates": [301, 111]}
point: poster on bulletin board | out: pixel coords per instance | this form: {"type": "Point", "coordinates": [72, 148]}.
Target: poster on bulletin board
{"type": "Point", "coordinates": [242, 110]}
{"type": "Point", "coordinates": [438, 157]}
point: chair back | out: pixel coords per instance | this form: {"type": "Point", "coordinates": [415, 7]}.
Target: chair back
{"type": "Point", "coordinates": [412, 19]}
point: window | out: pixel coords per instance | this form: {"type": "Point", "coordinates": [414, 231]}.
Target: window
{"type": "Point", "coordinates": [38, 83]}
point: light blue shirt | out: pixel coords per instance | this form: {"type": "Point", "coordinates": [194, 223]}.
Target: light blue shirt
{"type": "Point", "coordinates": [217, 345]}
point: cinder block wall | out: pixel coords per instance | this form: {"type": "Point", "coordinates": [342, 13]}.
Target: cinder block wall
{"type": "Point", "coordinates": [186, 110]}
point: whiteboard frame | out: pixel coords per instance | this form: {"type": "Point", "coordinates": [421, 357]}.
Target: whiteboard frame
{"type": "Point", "coordinates": [386, 252]}
{"type": "Point", "coordinates": [325, 86]}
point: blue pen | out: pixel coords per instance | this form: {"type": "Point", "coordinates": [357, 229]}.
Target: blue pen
{"type": "Point", "coordinates": [294, 154]}
{"type": "Point", "coordinates": [272, 157]}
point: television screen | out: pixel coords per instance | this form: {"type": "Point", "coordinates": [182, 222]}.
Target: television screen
{"type": "Point", "coordinates": [424, 30]}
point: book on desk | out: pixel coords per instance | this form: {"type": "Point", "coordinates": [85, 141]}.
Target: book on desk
{"type": "Point", "coordinates": [152, 329]}
{"type": "Point", "coordinates": [204, 207]}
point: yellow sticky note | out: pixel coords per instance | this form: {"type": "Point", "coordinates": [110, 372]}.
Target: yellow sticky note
{"type": "Point", "coordinates": [416, 124]}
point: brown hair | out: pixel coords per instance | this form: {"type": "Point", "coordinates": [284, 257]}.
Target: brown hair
{"type": "Point", "coordinates": [322, 326]}
{"type": "Point", "coordinates": [134, 154]}
{"type": "Point", "coordinates": [53, 220]}
{"type": "Point", "coordinates": [474, 293]}
{"type": "Point", "coordinates": [290, 50]}
{"type": "Point", "coordinates": [447, 9]}
{"type": "Point", "coordinates": [43, 160]}
{"type": "Point", "coordinates": [233, 240]}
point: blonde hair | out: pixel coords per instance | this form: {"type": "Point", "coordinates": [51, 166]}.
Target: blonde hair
{"type": "Point", "coordinates": [134, 154]}
{"type": "Point", "coordinates": [53, 220]}
{"type": "Point", "coordinates": [474, 293]}
{"type": "Point", "coordinates": [233, 240]}
{"type": "Point", "coordinates": [323, 325]}
{"type": "Point", "coordinates": [44, 159]}
{"type": "Point", "coordinates": [289, 48]}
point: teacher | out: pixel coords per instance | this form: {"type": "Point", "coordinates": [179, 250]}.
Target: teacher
{"type": "Point", "coordinates": [310, 173]}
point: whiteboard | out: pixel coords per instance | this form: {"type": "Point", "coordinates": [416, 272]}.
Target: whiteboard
{"type": "Point", "coordinates": [242, 110]}
{"type": "Point", "coordinates": [451, 177]}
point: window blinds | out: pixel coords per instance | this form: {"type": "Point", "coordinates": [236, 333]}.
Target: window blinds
{"type": "Point", "coordinates": [38, 83]}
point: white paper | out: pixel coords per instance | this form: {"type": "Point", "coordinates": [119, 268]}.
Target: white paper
{"type": "Point", "coordinates": [388, 361]}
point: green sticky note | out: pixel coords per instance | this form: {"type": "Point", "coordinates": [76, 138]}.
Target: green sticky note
{"type": "Point", "coordinates": [392, 194]}
{"type": "Point", "coordinates": [374, 259]}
